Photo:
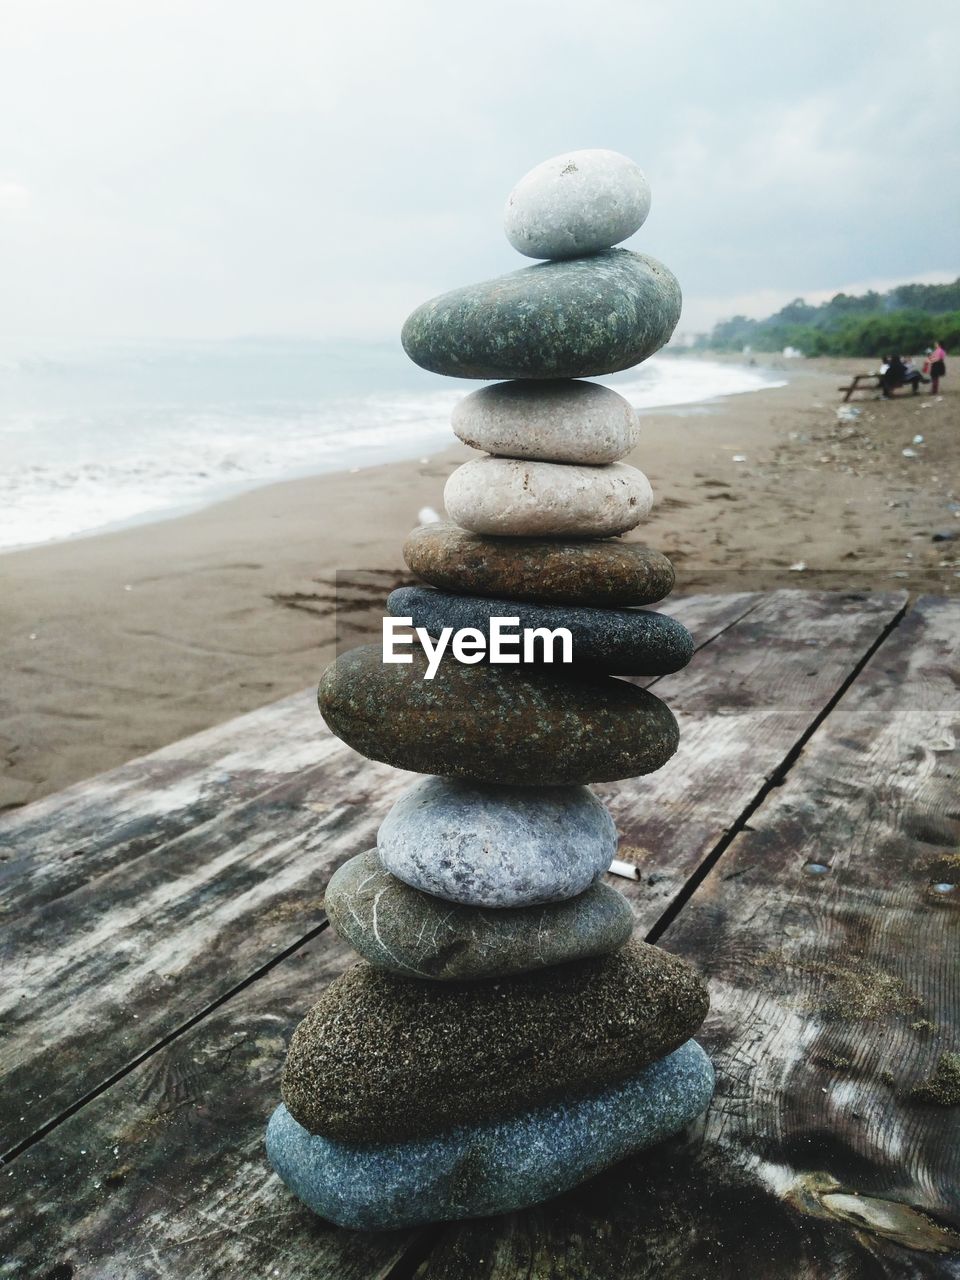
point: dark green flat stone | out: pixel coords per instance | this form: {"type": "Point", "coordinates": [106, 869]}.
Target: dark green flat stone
{"type": "Point", "coordinates": [626, 642]}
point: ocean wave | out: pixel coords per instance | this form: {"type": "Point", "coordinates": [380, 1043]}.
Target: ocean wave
{"type": "Point", "coordinates": [71, 470]}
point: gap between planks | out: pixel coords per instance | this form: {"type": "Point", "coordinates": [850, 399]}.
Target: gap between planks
{"type": "Point", "coordinates": [777, 779]}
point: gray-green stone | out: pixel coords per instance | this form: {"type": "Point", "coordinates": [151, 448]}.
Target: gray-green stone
{"type": "Point", "coordinates": [417, 935]}
{"type": "Point", "coordinates": [572, 319]}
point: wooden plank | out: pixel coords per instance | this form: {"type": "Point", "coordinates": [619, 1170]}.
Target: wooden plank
{"type": "Point", "coordinates": [185, 1192]}
{"type": "Point", "coordinates": [165, 1175]}
{"type": "Point", "coordinates": [743, 706]}
{"type": "Point", "coordinates": [834, 995]}
{"type": "Point", "coordinates": [97, 975]}
{"type": "Point", "coordinates": [64, 841]}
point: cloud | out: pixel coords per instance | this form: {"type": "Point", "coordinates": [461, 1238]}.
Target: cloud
{"type": "Point", "coordinates": [14, 196]}
{"type": "Point", "coordinates": [207, 170]}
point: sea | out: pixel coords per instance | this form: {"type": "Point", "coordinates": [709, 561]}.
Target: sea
{"type": "Point", "coordinates": [96, 436]}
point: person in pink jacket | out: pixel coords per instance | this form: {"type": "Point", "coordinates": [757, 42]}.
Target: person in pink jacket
{"type": "Point", "coordinates": [938, 366]}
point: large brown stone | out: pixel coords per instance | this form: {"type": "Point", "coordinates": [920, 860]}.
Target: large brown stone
{"type": "Point", "coordinates": [495, 723]}
{"type": "Point", "coordinates": [607, 572]}
{"type": "Point", "coordinates": [381, 1059]}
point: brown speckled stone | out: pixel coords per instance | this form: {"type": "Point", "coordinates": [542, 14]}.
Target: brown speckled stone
{"type": "Point", "coordinates": [607, 572]}
{"type": "Point", "coordinates": [495, 723]}
{"type": "Point", "coordinates": [381, 1059]}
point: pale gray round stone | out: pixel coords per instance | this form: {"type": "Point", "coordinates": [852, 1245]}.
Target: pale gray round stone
{"type": "Point", "coordinates": [516, 499]}
{"type": "Point", "coordinates": [576, 203]}
{"type": "Point", "coordinates": [497, 846]}
{"type": "Point", "coordinates": [563, 421]}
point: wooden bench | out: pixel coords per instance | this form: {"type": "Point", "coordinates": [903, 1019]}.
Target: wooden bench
{"type": "Point", "coordinates": [162, 932]}
{"type": "Point", "coordinates": [875, 384]}
{"type": "Point", "coordinates": [872, 378]}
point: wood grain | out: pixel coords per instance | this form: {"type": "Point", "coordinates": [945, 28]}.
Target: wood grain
{"type": "Point", "coordinates": [162, 1174]}
{"type": "Point", "coordinates": [743, 705]}
{"type": "Point", "coordinates": [165, 1174]}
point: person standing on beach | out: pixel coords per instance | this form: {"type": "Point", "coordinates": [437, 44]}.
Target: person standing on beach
{"type": "Point", "coordinates": [938, 367]}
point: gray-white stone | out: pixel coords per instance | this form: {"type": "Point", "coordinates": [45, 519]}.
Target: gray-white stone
{"type": "Point", "coordinates": [494, 1167]}
{"type": "Point", "coordinates": [513, 498]}
{"type": "Point", "coordinates": [576, 203]}
{"type": "Point", "coordinates": [497, 846]}
{"type": "Point", "coordinates": [563, 421]}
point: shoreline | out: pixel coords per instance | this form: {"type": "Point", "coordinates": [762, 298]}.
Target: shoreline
{"type": "Point", "coordinates": [118, 643]}
{"type": "Point", "coordinates": [353, 454]}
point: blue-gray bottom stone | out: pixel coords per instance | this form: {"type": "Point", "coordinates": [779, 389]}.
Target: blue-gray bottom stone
{"type": "Point", "coordinates": [477, 1170]}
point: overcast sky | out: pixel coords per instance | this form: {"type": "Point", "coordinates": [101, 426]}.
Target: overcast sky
{"type": "Point", "coordinates": [212, 168]}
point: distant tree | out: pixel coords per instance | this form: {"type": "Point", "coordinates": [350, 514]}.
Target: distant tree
{"type": "Point", "coordinates": [906, 319]}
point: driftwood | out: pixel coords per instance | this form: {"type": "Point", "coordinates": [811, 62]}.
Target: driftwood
{"type": "Point", "coordinates": [163, 968]}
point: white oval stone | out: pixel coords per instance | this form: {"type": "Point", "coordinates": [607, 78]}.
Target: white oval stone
{"type": "Point", "coordinates": [577, 203]}
{"type": "Point", "coordinates": [512, 498]}
{"type": "Point", "coordinates": [568, 421]}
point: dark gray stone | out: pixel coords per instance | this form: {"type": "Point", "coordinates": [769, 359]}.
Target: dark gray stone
{"type": "Point", "coordinates": [491, 1168]}
{"type": "Point", "coordinates": [381, 1058]}
{"type": "Point", "coordinates": [628, 642]}
{"type": "Point", "coordinates": [488, 846]}
{"type": "Point", "coordinates": [420, 936]}
{"type": "Point", "coordinates": [607, 572]}
{"type": "Point", "coordinates": [523, 727]}
{"type": "Point", "coordinates": [570, 319]}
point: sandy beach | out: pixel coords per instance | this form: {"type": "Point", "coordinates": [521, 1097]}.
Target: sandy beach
{"type": "Point", "coordinates": [119, 643]}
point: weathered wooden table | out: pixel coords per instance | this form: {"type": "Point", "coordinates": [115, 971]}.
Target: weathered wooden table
{"type": "Point", "coordinates": [163, 931]}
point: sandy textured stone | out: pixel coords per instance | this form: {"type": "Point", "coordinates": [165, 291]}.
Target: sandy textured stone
{"type": "Point", "coordinates": [495, 723]}
{"type": "Point", "coordinates": [575, 319]}
{"type": "Point", "coordinates": [500, 846]}
{"type": "Point", "coordinates": [512, 498]}
{"type": "Point", "coordinates": [381, 1058]}
{"type": "Point", "coordinates": [627, 642]}
{"type": "Point", "coordinates": [496, 1167]}
{"type": "Point", "coordinates": [567, 421]}
{"type": "Point", "coordinates": [595, 572]}
{"type": "Point", "coordinates": [417, 935]}
{"type": "Point", "coordinates": [576, 203]}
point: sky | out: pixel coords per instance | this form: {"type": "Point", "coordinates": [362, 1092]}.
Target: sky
{"type": "Point", "coordinates": [219, 168]}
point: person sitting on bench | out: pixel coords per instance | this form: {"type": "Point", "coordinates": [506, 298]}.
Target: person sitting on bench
{"type": "Point", "coordinates": [894, 373]}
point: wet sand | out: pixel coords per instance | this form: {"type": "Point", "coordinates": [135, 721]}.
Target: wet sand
{"type": "Point", "coordinates": [117, 644]}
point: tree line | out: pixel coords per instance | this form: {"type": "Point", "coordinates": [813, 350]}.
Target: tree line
{"type": "Point", "coordinates": [906, 320]}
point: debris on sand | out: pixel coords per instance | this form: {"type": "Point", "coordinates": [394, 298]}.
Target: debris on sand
{"type": "Point", "coordinates": [942, 1088]}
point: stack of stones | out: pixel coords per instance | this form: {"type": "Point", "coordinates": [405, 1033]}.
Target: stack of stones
{"type": "Point", "coordinates": [502, 1038]}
